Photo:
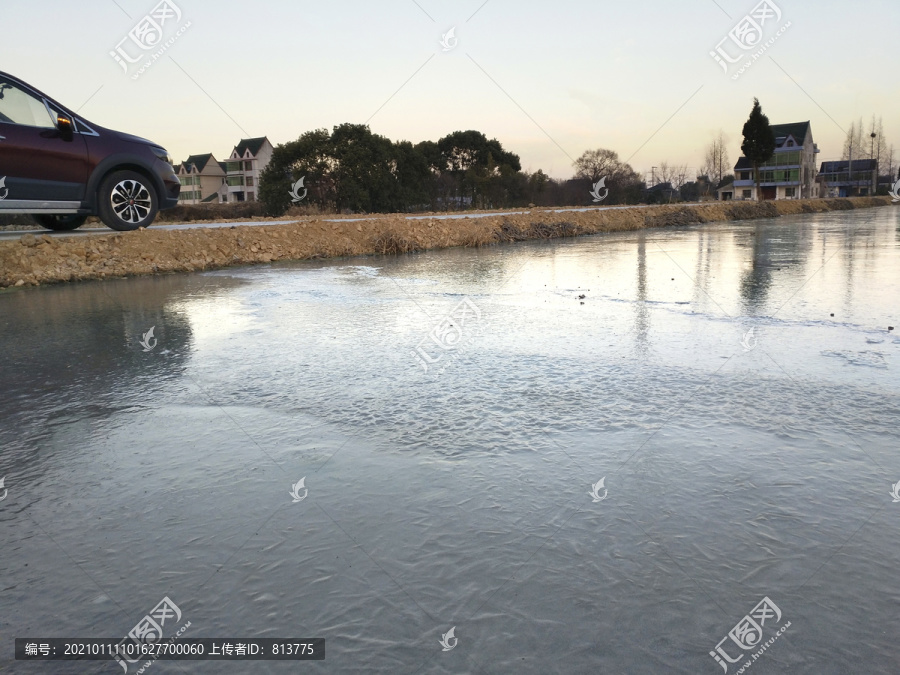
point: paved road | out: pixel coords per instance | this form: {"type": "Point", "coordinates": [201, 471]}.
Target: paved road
{"type": "Point", "coordinates": [85, 231]}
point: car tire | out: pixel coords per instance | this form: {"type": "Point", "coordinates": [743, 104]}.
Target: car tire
{"type": "Point", "coordinates": [59, 223]}
{"type": "Point", "coordinates": [126, 201]}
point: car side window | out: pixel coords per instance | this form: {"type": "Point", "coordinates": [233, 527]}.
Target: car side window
{"type": "Point", "coordinates": [20, 107]}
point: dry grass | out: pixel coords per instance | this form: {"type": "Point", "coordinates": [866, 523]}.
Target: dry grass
{"type": "Point", "coordinates": [392, 243]}
{"type": "Point", "coordinates": [33, 260]}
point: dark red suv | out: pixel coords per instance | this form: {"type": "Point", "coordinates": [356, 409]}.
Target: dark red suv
{"type": "Point", "coordinates": [61, 169]}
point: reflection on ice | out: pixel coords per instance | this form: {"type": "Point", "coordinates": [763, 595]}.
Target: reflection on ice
{"type": "Point", "coordinates": [620, 444]}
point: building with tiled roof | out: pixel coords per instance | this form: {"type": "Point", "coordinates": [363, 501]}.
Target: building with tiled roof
{"type": "Point", "coordinates": [201, 177]}
{"type": "Point", "coordinates": [243, 168]}
{"type": "Point", "coordinates": [791, 171]}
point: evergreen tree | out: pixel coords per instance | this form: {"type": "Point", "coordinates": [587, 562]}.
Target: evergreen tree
{"type": "Point", "coordinates": [759, 141]}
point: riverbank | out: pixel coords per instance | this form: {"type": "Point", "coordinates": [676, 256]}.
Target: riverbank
{"type": "Point", "coordinates": [35, 259]}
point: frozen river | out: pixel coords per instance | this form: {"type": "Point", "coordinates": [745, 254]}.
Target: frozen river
{"type": "Point", "coordinates": [692, 464]}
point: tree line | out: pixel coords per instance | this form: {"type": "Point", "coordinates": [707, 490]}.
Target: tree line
{"type": "Point", "coordinates": [870, 143]}
{"type": "Point", "coordinates": [353, 169]}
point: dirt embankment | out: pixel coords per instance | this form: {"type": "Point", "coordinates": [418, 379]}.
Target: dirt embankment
{"type": "Point", "coordinates": [34, 260]}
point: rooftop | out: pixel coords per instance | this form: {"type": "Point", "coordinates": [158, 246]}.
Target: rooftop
{"type": "Point", "coordinates": [252, 144]}
{"type": "Point", "coordinates": [841, 165]}
{"type": "Point", "coordinates": [798, 130]}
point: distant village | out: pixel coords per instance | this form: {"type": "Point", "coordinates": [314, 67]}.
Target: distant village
{"type": "Point", "coordinates": [791, 173]}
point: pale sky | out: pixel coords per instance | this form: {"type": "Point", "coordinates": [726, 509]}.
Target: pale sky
{"type": "Point", "coordinates": [549, 80]}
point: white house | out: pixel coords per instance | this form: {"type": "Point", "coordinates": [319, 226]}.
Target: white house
{"type": "Point", "coordinates": [791, 171]}
{"type": "Point", "coordinates": [243, 167]}
{"type": "Point", "coordinates": [201, 179]}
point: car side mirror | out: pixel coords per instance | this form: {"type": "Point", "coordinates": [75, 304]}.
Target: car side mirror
{"type": "Point", "coordinates": [66, 128]}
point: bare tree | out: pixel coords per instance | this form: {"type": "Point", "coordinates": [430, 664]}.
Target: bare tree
{"type": "Point", "coordinates": [881, 147]}
{"type": "Point", "coordinates": [715, 160]}
{"type": "Point", "coordinates": [854, 148]}
{"type": "Point", "coordinates": [663, 172]}
{"type": "Point", "coordinates": [889, 162]}
{"type": "Point", "coordinates": [676, 174]}
{"type": "Point", "coordinates": [853, 143]}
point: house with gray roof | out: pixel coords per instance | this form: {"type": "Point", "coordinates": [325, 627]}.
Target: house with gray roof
{"type": "Point", "coordinates": [791, 171]}
{"type": "Point", "coordinates": [201, 179]}
{"type": "Point", "coordinates": [243, 168]}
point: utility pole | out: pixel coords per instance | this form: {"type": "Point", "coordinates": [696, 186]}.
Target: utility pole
{"type": "Point", "coordinates": [850, 171]}
{"type": "Point", "coordinates": [872, 156]}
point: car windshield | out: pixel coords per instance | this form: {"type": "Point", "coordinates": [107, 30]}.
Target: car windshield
{"type": "Point", "coordinates": [20, 107]}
